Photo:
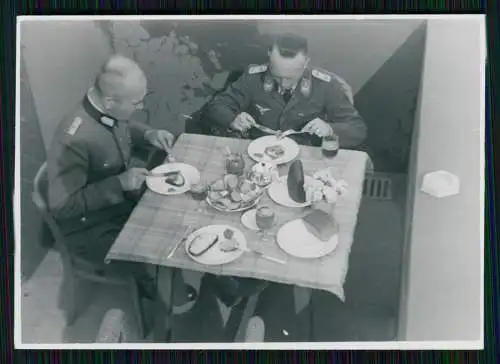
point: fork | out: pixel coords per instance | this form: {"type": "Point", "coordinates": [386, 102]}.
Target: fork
{"type": "Point", "coordinates": [186, 235]}
{"type": "Point", "coordinates": [289, 132]}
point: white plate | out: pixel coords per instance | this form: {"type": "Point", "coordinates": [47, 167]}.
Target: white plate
{"type": "Point", "coordinates": [158, 185]}
{"type": "Point", "coordinates": [260, 144]}
{"type": "Point", "coordinates": [278, 192]}
{"type": "Point", "coordinates": [295, 240]}
{"type": "Point", "coordinates": [246, 207]}
{"type": "Point", "coordinates": [215, 256]}
{"type": "Point", "coordinates": [248, 220]}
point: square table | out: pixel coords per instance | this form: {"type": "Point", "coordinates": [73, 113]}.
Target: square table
{"type": "Point", "coordinates": [158, 222]}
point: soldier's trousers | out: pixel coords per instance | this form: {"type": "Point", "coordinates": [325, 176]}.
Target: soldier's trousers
{"type": "Point", "coordinates": [93, 244]}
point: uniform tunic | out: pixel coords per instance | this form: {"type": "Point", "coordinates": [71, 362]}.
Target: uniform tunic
{"type": "Point", "coordinates": [318, 94]}
{"type": "Point", "coordinates": [85, 196]}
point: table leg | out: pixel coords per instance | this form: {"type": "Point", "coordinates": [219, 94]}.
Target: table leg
{"type": "Point", "coordinates": [247, 314]}
{"type": "Point", "coordinates": [302, 297]}
{"type": "Point", "coordinates": [164, 304]}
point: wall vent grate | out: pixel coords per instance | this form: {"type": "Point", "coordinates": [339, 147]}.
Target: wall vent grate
{"type": "Point", "coordinates": [377, 187]}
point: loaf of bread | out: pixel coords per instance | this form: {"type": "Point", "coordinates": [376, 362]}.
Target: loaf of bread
{"type": "Point", "coordinates": [295, 182]}
{"type": "Point", "coordinates": [320, 224]}
{"type": "Point", "coordinates": [200, 244]}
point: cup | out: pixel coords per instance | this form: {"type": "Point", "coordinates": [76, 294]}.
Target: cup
{"type": "Point", "coordinates": [199, 191]}
{"type": "Point", "coordinates": [235, 164]}
{"type": "Point", "coordinates": [330, 146]}
{"type": "Point", "coordinates": [265, 218]}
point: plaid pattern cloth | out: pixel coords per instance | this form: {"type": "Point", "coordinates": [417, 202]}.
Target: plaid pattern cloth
{"type": "Point", "coordinates": [159, 222]}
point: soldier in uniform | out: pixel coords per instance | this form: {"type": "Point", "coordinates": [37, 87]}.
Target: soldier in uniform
{"type": "Point", "coordinates": [287, 94]}
{"type": "Point", "coordinates": [92, 188]}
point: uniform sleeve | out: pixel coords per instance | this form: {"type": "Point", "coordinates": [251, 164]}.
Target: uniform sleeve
{"type": "Point", "coordinates": [69, 195]}
{"type": "Point", "coordinates": [344, 118]}
{"type": "Point", "coordinates": [137, 130]}
{"type": "Point", "coordinates": [224, 107]}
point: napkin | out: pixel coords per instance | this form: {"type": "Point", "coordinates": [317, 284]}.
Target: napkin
{"type": "Point", "coordinates": [440, 184]}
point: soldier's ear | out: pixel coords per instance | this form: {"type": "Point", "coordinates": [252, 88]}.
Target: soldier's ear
{"type": "Point", "coordinates": [108, 103]}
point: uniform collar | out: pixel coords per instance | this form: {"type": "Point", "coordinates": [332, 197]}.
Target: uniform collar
{"type": "Point", "coordinates": [95, 113]}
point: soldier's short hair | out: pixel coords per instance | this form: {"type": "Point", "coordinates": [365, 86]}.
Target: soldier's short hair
{"type": "Point", "coordinates": [115, 73]}
{"type": "Point", "coordinates": [289, 45]}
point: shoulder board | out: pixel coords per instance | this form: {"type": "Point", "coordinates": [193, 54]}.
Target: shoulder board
{"type": "Point", "coordinates": [257, 69]}
{"type": "Point", "coordinates": [321, 75]}
{"type": "Point", "coordinates": [74, 125]}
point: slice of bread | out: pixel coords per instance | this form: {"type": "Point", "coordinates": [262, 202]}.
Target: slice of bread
{"type": "Point", "coordinates": [320, 224]}
{"type": "Point", "coordinates": [200, 244]}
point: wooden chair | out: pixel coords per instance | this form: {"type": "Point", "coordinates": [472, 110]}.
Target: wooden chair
{"type": "Point", "coordinates": [78, 272]}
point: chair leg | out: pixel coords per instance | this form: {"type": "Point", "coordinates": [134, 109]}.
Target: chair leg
{"type": "Point", "coordinates": [138, 312]}
{"type": "Point", "coordinates": [77, 293]}
{"type": "Point", "coordinates": [246, 318]}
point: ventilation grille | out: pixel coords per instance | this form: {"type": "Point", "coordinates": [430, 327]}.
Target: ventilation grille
{"type": "Point", "coordinates": [377, 188]}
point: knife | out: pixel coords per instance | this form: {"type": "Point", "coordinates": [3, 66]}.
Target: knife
{"type": "Point", "coordinates": [265, 129]}
{"type": "Point", "coordinates": [174, 249]}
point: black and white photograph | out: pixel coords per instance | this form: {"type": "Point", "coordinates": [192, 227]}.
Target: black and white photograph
{"type": "Point", "coordinates": [251, 182]}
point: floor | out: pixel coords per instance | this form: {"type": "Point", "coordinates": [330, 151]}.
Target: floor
{"type": "Point", "coordinates": [369, 313]}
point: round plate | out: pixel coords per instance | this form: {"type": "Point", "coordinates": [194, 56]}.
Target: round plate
{"type": "Point", "coordinates": [278, 192]}
{"type": "Point", "coordinates": [246, 207]}
{"type": "Point", "coordinates": [295, 240]}
{"type": "Point", "coordinates": [215, 256]}
{"type": "Point", "coordinates": [256, 149]}
{"type": "Point", "coordinates": [158, 184]}
{"type": "Point", "coordinates": [248, 220]}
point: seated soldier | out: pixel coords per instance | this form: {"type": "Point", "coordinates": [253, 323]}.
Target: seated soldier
{"type": "Point", "coordinates": [287, 94]}
{"type": "Point", "coordinates": [92, 188]}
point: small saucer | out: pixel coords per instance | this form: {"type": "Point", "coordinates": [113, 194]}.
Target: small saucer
{"type": "Point", "coordinates": [248, 220]}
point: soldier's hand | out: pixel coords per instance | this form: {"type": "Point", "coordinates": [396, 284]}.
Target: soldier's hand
{"type": "Point", "coordinates": [161, 139]}
{"type": "Point", "coordinates": [319, 127]}
{"type": "Point", "coordinates": [133, 178]}
{"type": "Point", "coordinates": [243, 122]}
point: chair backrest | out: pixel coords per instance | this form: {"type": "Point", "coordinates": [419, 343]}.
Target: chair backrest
{"type": "Point", "coordinates": [39, 197]}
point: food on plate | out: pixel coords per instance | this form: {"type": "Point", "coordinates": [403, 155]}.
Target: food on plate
{"type": "Point", "coordinates": [264, 217]}
{"type": "Point", "coordinates": [274, 151]}
{"type": "Point", "coordinates": [295, 182]}
{"type": "Point", "coordinates": [258, 155]}
{"type": "Point", "coordinates": [232, 192]}
{"type": "Point", "coordinates": [228, 246]}
{"type": "Point", "coordinates": [175, 178]}
{"type": "Point", "coordinates": [218, 186]}
{"type": "Point", "coordinates": [236, 196]}
{"type": "Point", "coordinates": [230, 181]}
{"type": "Point", "coordinates": [320, 224]}
{"type": "Point", "coordinates": [228, 233]}
{"type": "Point", "coordinates": [263, 173]}
{"type": "Point", "coordinates": [199, 191]}
{"type": "Point", "coordinates": [201, 243]}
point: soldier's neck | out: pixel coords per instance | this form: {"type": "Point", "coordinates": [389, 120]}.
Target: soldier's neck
{"type": "Point", "coordinates": [95, 102]}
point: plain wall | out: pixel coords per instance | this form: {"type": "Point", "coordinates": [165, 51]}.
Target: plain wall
{"type": "Point", "coordinates": [62, 59]}
{"type": "Point", "coordinates": [355, 49]}
{"type": "Point", "coordinates": [442, 279]}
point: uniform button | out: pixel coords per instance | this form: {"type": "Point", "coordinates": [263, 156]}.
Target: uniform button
{"type": "Point", "coordinates": [105, 164]}
{"type": "Point", "coordinates": [84, 219]}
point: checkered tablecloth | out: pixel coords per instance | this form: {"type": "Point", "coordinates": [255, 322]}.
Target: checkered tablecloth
{"type": "Point", "coordinates": [159, 222]}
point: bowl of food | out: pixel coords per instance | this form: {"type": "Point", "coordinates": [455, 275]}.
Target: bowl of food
{"type": "Point", "coordinates": [233, 193]}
